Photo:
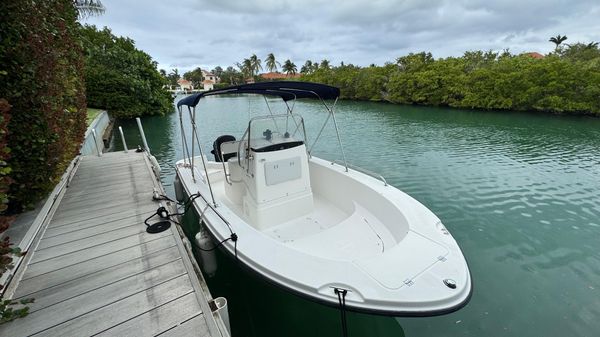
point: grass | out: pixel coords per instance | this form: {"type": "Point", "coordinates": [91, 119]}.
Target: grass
{"type": "Point", "coordinates": [91, 114]}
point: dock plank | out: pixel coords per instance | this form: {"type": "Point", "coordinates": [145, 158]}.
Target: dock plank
{"type": "Point", "coordinates": [126, 173]}
{"type": "Point", "coordinates": [68, 310]}
{"type": "Point", "coordinates": [76, 287]}
{"type": "Point", "coordinates": [66, 225]}
{"type": "Point", "coordinates": [82, 211]}
{"type": "Point", "coordinates": [33, 282]}
{"type": "Point", "coordinates": [116, 313]}
{"type": "Point", "coordinates": [53, 237]}
{"type": "Point", "coordinates": [51, 256]}
{"type": "Point", "coordinates": [92, 187]}
{"type": "Point", "coordinates": [95, 168]}
{"type": "Point", "coordinates": [171, 314]}
{"type": "Point", "coordinates": [107, 317]}
{"type": "Point", "coordinates": [115, 219]}
{"type": "Point", "coordinates": [192, 327]}
{"type": "Point", "coordinates": [56, 246]}
{"type": "Point", "coordinates": [122, 195]}
{"type": "Point", "coordinates": [108, 188]}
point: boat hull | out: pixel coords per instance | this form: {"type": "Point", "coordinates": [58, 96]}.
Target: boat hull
{"type": "Point", "coordinates": [374, 283]}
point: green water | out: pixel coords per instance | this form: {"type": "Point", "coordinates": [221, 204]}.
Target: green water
{"type": "Point", "coordinates": [519, 192]}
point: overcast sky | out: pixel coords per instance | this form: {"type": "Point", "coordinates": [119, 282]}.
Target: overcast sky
{"type": "Point", "coordinates": [186, 34]}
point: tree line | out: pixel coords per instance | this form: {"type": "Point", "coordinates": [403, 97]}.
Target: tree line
{"type": "Point", "coordinates": [242, 72]}
{"type": "Point", "coordinates": [564, 81]}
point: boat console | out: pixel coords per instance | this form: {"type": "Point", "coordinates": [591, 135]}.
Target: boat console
{"type": "Point", "coordinates": [268, 170]}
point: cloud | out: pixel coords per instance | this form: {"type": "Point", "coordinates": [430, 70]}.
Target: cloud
{"type": "Point", "coordinates": [191, 33]}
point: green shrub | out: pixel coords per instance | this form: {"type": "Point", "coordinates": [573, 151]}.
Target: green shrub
{"type": "Point", "coordinates": [42, 110]}
{"type": "Point", "coordinates": [121, 78]}
{"type": "Point", "coordinates": [41, 63]}
{"type": "Point", "coordinates": [221, 85]}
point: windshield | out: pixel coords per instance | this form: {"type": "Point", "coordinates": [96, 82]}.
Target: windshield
{"type": "Point", "coordinates": [268, 133]}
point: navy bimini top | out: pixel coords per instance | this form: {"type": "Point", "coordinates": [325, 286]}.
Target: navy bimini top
{"type": "Point", "coordinates": [287, 90]}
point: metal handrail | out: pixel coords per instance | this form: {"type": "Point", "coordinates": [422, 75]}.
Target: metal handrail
{"type": "Point", "coordinates": [96, 143]}
{"type": "Point", "coordinates": [216, 212]}
{"type": "Point", "coordinates": [139, 124]}
{"type": "Point", "coordinates": [222, 155]}
{"type": "Point", "coordinates": [123, 139]}
{"type": "Point", "coordinates": [363, 170]}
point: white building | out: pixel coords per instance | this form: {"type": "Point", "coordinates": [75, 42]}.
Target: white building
{"type": "Point", "coordinates": [208, 84]}
{"type": "Point", "coordinates": [185, 84]}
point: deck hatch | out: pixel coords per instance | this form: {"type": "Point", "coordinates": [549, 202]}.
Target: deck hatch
{"type": "Point", "coordinates": [279, 171]}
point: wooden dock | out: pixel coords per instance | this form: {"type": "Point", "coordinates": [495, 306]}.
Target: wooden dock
{"type": "Point", "coordinates": [93, 269]}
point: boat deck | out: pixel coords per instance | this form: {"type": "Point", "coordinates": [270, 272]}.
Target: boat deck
{"type": "Point", "coordinates": [93, 269]}
{"type": "Point", "coordinates": [327, 230]}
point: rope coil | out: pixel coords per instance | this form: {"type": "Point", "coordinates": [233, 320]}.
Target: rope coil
{"type": "Point", "coordinates": [163, 213]}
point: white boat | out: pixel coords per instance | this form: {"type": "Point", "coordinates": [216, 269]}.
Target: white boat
{"type": "Point", "coordinates": [321, 229]}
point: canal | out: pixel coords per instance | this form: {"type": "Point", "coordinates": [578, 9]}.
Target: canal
{"type": "Point", "coordinates": [518, 191]}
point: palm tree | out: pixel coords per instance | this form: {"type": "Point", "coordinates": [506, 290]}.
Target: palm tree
{"type": "Point", "coordinates": [592, 45]}
{"type": "Point", "coordinates": [324, 64]}
{"type": "Point", "coordinates": [254, 64]}
{"type": "Point", "coordinates": [174, 76]}
{"type": "Point", "coordinates": [271, 63]}
{"type": "Point", "coordinates": [315, 66]}
{"type": "Point", "coordinates": [307, 68]}
{"type": "Point", "coordinates": [87, 8]}
{"type": "Point", "coordinates": [246, 68]}
{"type": "Point", "coordinates": [557, 40]}
{"type": "Point", "coordinates": [289, 67]}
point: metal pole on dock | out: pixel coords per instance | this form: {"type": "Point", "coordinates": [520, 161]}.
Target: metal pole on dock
{"type": "Point", "coordinates": [123, 139]}
{"type": "Point", "coordinates": [96, 143]}
{"type": "Point", "coordinates": [139, 123]}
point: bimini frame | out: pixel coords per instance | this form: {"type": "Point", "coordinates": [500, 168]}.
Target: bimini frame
{"type": "Point", "coordinates": [287, 90]}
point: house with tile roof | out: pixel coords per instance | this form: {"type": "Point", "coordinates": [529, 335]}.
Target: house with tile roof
{"type": "Point", "coordinates": [272, 76]}
{"type": "Point", "coordinates": [185, 84]}
{"type": "Point", "coordinates": [534, 55]}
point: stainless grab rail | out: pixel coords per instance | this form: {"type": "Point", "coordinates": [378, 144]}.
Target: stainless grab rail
{"type": "Point", "coordinates": [363, 170]}
{"type": "Point", "coordinates": [123, 139]}
{"type": "Point", "coordinates": [139, 124]}
{"type": "Point", "coordinates": [96, 143]}
{"type": "Point", "coordinates": [216, 212]}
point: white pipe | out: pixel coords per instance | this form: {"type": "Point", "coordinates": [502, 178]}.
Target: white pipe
{"type": "Point", "coordinates": [96, 143]}
{"type": "Point", "coordinates": [139, 123]}
{"type": "Point", "coordinates": [222, 310]}
{"type": "Point", "coordinates": [123, 139]}
{"type": "Point", "coordinates": [337, 132]}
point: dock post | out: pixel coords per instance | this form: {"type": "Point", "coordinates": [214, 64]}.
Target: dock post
{"type": "Point", "coordinates": [96, 143]}
{"type": "Point", "coordinates": [123, 139]}
{"type": "Point", "coordinates": [139, 123]}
